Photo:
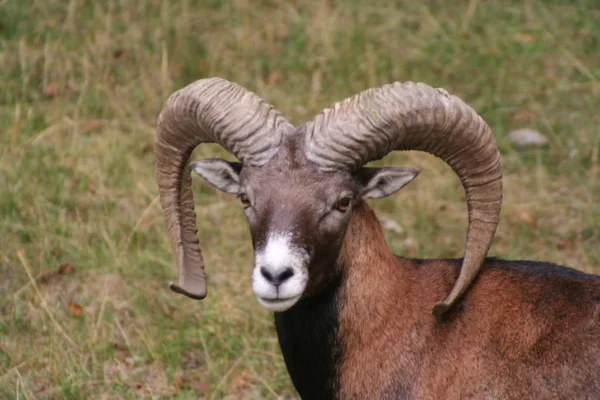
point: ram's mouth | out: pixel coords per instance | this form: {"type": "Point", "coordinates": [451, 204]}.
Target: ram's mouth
{"type": "Point", "coordinates": [278, 303]}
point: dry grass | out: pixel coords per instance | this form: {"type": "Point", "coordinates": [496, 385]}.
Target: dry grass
{"type": "Point", "coordinates": [84, 261]}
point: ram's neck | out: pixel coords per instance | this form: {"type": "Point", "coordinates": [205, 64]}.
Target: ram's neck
{"type": "Point", "coordinates": [376, 307]}
{"type": "Point", "coordinates": [318, 334]}
{"type": "Point", "coordinates": [374, 280]}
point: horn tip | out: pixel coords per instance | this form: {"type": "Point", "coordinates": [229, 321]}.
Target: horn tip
{"type": "Point", "coordinates": [199, 294]}
{"type": "Point", "coordinates": [440, 309]}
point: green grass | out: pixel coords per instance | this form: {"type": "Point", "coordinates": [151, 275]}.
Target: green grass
{"type": "Point", "coordinates": [82, 84]}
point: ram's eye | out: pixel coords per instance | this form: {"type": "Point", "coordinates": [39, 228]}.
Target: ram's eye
{"type": "Point", "coordinates": [344, 204]}
{"type": "Point", "coordinates": [245, 200]}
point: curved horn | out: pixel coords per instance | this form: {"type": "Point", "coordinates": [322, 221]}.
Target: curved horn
{"type": "Point", "coordinates": [207, 111]}
{"type": "Point", "coordinates": [413, 116]}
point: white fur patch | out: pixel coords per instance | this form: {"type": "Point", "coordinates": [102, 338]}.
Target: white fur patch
{"type": "Point", "coordinates": [279, 254]}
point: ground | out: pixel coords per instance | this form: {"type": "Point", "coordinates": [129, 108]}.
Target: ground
{"type": "Point", "coordinates": [85, 311]}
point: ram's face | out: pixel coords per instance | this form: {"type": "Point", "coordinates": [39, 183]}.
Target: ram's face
{"type": "Point", "coordinates": [298, 217]}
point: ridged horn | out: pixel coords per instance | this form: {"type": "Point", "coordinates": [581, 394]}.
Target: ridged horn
{"type": "Point", "coordinates": [414, 116]}
{"type": "Point", "coordinates": [207, 111]}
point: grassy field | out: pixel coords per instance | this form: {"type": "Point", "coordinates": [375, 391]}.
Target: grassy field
{"type": "Point", "coordinates": [85, 311]}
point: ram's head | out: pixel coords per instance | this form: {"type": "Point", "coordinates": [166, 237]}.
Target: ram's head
{"type": "Point", "coordinates": [299, 184]}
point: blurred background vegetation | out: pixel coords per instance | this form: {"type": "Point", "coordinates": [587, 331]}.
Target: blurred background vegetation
{"type": "Point", "coordinates": [85, 311]}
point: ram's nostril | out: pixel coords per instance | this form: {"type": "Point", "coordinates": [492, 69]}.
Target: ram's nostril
{"type": "Point", "coordinates": [286, 274]}
{"type": "Point", "coordinates": [277, 277]}
{"type": "Point", "coordinates": [265, 272]}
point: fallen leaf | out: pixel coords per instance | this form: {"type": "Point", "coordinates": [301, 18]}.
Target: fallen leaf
{"type": "Point", "coordinates": [565, 244]}
{"type": "Point", "coordinates": [65, 268]}
{"type": "Point", "coordinates": [241, 379]}
{"type": "Point", "coordinates": [179, 382]}
{"type": "Point", "coordinates": [93, 124]}
{"type": "Point", "coordinates": [202, 387]}
{"type": "Point", "coordinates": [523, 116]}
{"type": "Point", "coordinates": [118, 53]}
{"type": "Point", "coordinates": [274, 78]}
{"type": "Point", "coordinates": [50, 90]}
{"type": "Point", "coordinates": [524, 38]}
{"type": "Point", "coordinates": [74, 309]}
{"type": "Point", "coordinates": [525, 217]}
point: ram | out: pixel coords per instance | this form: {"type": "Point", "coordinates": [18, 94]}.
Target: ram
{"type": "Point", "coordinates": [353, 319]}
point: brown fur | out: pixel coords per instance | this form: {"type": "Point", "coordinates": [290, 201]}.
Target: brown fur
{"type": "Point", "coordinates": [364, 329]}
{"type": "Point", "coordinates": [517, 334]}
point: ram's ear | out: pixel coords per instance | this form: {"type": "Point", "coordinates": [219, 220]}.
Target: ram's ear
{"type": "Point", "coordinates": [381, 182]}
{"type": "Point", "coordinates": [224, 175]}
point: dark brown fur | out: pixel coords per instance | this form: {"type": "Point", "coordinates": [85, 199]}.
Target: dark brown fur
{"type": "Point", "coordinates": [524, 330]}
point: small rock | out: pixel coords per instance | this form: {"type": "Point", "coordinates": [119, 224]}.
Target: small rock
{"type": "Point", "coordinates": [527, 137]}
{"type": "Point", "coordinates": [390, 225]}
{"type": "Point", "coordinates": [300, 110]}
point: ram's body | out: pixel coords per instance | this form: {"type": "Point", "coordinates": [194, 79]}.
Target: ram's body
{"type": "Point", "coordinates": [354, 320]}
{"type": "Point", "coordinates": [525, 330]}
